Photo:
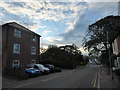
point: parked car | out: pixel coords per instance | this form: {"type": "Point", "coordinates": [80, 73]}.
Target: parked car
{"type": "Point", "coordinates": [42, 68]}
{"type": "Point", "coordinates": [50, 66]}
{"type": "Point", "coordinates": [32, 71]}
{"type": "Point", "coordinates": [33, 66]}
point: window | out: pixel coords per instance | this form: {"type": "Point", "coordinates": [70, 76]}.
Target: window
{"type": "Point", "coordinates": [118, 61]}
{"type": "Point", "coordinates": [16, 48]}
{"type": "Point", "coordinates": [33, 38]}
{"type": "Point", "coordinates": [17, 33]}
{"type": "Point", "coordinates": [33, 61]}
{"type": "Point", "coordinates": [16, 63]}
{"type": "Point", "coordinates": [33, 50]}
{"type": "Point", "coordinates": [115, 63]}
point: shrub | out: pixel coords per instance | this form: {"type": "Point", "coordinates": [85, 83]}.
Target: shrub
{"type": "Point", "coordinates": [117, 71]}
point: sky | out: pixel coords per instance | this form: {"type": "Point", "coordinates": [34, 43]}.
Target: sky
{"type": "Point", "coordinates": [58, 22]}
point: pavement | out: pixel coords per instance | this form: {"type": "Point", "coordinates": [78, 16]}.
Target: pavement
{"type": "Point", "coordinates": [106, 79]}
{"type": "Point", "coordinates": [0, 82]}
{"type": "Point", "coordinates": [90, 76]}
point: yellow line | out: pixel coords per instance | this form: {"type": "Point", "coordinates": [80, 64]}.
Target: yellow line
{"type": "Point", "coordinates": [49, 79]}
{"type": "Point", "coordinates": [95, 80]}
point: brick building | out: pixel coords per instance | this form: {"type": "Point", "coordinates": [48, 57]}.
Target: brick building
{"type": "Point", "coordinates": [116, 50]}
{"type": "Point", "coordinates": [20, 46]}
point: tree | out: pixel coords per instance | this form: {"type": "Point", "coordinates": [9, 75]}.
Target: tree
{"type": "Point", "coordinates": [42, 50]}
{"type": "Point", "coordinates": [68, 56]}
{"type": "Point", "coordinates": [96, 38]}
{"type": "Point", "coordinates": [52, 46]}
{"type": "Point", "coordinates": [73, 49]}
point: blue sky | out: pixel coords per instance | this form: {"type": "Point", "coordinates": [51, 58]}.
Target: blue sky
{"type": "Point", "coordinates": [58, 23]}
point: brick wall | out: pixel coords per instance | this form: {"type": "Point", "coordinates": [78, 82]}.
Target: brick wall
{"type": "Point", "coordinates": [118, 43]}
{"type": "Point", "coordinates": [25, 56]}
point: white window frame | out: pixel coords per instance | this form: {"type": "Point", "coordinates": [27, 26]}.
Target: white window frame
{"type": "Point", "coordinates": [33, 61]}
{"type": "Point", "coordinates": [14, 48]}
{"type": "Point", "coordinates": [33, 39]}
{"type": "Point", "coordinates": [33, 52]}
{"type": "Point", "coordinates": [14, 65]}
{"type": "Point", "coordinates": [17, 33]}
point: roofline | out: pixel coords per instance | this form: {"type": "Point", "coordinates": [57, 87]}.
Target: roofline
{"type": "Point", "coordinates": [118, 34]}
{"type": "Point", "coordinates": [21, 26]}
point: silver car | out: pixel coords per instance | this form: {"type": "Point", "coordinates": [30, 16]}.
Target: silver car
{"type": "Point", "coordinates": [42, 68]}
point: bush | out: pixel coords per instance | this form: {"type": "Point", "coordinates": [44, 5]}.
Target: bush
{"type": "Point", "coordinates": [117, 71]}
{"type": "Point", "coordinates": [58, 63]}
{"type": "Point", "coordinates": [56, 69]}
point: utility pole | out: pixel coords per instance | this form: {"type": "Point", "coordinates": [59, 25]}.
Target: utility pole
{"type": "Point", "coordinates": [119, 8]}
{"type": "Point", "coordinates": [108, 46]}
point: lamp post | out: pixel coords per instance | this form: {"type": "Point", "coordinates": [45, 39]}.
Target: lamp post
{"type": "Point", "coordinates": [108, 46]}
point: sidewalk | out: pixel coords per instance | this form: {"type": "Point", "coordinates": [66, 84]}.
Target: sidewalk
{"type": "Point", "coordinates": [106, 80]}
{"type": "Point", "coordinates": [0, 83]}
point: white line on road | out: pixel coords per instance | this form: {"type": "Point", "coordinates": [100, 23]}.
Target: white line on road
{"type": "Point", "coordinates": [63, 74]}
{"type": "Point", "coordinates": [99, 80]}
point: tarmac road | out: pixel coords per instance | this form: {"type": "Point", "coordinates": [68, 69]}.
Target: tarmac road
{"type": "Point", "coordinates": [91, 76]}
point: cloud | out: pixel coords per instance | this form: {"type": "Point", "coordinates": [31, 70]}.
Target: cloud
{"type": "Point", "coordinates": [34, 27]}
{"type": "Point", "coordinates": [6, 21]}
{"type": "Point", "coordinates": [70, 26]}
{"type": "Point", "coordinates": [46, 32]}
{"type": "Point", "coordinates": [94, 11]}
{"type": "Point", "coordinates": [43, 10]}
{"type": "Point", "coordinates": [61, 0]}
{"type": "Point", "coordinates": [52, 39]}
{"type": "Point", "coordinates": [46, 44]}
{"type": "Point", "coordinates": [75, 15]}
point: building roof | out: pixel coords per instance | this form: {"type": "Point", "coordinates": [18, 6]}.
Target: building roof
{"type": "Point", "coordinates": [20, 27]}
{"type": "Point", "coordinates": [115, 36]}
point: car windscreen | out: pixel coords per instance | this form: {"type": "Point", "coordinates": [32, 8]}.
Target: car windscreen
{"type": "Point", "coordinates": [41, 66]}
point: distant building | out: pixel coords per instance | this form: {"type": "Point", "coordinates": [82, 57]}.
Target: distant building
{"type": "Point", "coordinates": [116, 50]}
{"type": "Point", "coordinates": [20, 46]}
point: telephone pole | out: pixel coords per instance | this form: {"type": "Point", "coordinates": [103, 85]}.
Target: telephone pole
{"type": "Point", "coordinates": [109, 55]}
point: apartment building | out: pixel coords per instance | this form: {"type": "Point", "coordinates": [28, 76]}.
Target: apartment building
{"type": "Point", "coordinates": [116, 50]}
{"type": "Point", "coordinates": [20, 46]}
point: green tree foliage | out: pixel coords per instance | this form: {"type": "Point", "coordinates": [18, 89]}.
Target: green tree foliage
{"type": "Point", "coordinates": [96, 38]}
{"type": "Point", "coordinates": [68, 56]}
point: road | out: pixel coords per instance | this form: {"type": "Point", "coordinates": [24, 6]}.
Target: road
{"type": "Point", "coordinates": [87, 77]}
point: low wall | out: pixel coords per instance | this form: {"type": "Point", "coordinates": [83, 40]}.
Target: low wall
{"type": "Point", "coordinates": [16, 73]}
{"type": "Point", "coordinates": [116, 79]}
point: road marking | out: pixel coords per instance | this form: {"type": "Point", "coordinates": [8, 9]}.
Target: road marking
{"type": "Point", "coordinates": [96, 80]}
{"type": "Point", "coordinates": [23, 85]}
{"type": "Point", "coordinates": [99, 80]}
{"type": "Point", "coordinates": [93, 78]}
{"type": "Point", "coordinates": [64, 74]}
{"type": "Point", "coordinates": [49, 79]}
{"type": "Point", "coordinates": [59, 75]}
{"type": "Point", "coordinates": [94, 85]}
